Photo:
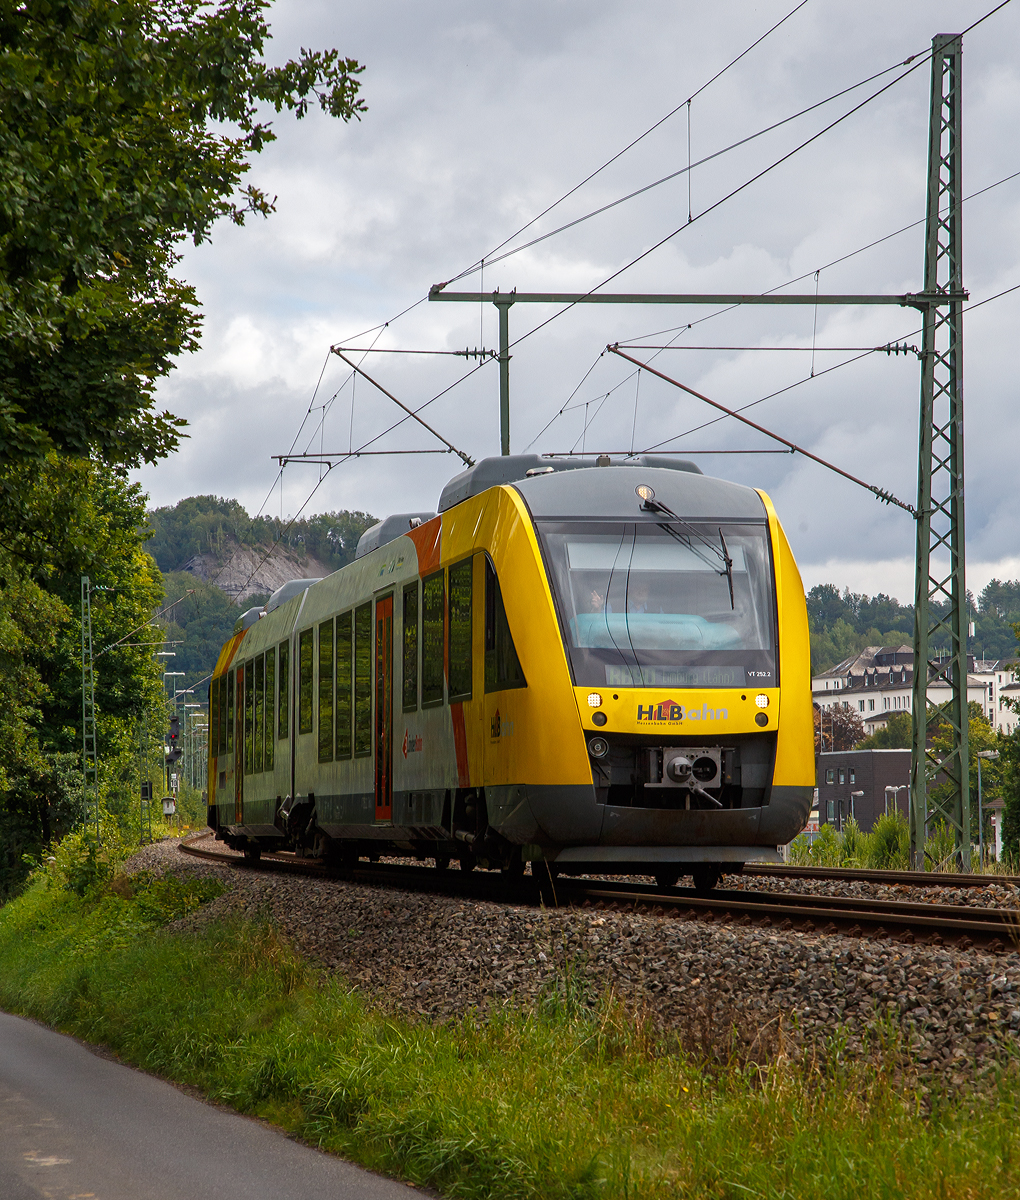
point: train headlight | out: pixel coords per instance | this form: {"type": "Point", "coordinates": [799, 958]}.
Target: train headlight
{"type": "Point", "coordinates": [644, 492]}
{"type": "Point", "coordinates": [598, 747]}
{"type": "Point", "coordinates": [594, 700]}
{"type": "Point", "coordinates": [761, 700]}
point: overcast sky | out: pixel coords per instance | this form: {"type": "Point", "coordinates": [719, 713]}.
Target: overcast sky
{"type": "Point", "coordinates": [479, 117]}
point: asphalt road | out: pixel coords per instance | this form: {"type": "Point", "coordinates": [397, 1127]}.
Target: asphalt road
{"type": "Point", "coordinates": [74, 1126]}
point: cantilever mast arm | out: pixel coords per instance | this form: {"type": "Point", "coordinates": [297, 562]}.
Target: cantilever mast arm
{"type": "Point", "coordinates": [467, 460]}
{"type": "Point", "coordinates": [881, 493]}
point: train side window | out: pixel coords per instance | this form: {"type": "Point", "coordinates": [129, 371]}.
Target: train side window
{"type": "Point", "coordinates": [221, 728]}
{"type": "Point", "coordinates": [502, 666]}
{"type": "Point", "coordinates": [363, 680]}
{"type": "Point", "coordinates": [326, 691]}
{"type": "Point", "coordinates": [458, 668]}
{"type": "Point", "coordinates": [214, 716]}
{"type": "Point", "coordinates": [343, 686]}
{"type": "Point", "coordinates": [283, 709]}
{"type": "Point", "coordinates": [432, 640]}
{"type": "Point", "coordinates": [260, 712]}
{"type": "Point", "coordinates": [410, 688]}
{"type": "Point", "coordinates": [244, 677]}
{"type": "Point", "coordinates": [230, 712]}
{"type": "Point", "coordinates": [270, 708]}
{"type": "Point", "coordinates": [306, 663]}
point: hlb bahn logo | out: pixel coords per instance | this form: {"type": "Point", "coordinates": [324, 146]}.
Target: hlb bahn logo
{"type": "Point", "coordinates": [413, 743]}
{"type": "Point", "coordinates": [670, 712]}
{"type": "Point", "coordinates": [500, 727]}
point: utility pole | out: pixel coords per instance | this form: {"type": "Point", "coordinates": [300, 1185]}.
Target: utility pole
{"type": "Point", "coordinates": [940, 589]}
{"type": "Point", "coordinates": [89, 765]}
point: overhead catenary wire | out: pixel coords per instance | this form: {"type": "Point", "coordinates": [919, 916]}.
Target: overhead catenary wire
{"type": "Point", "coordinates": [659, 446]}
{"type": "Point", "coordinates": [492, 261]}
{"type": "Point", "coordinates": [881, 493]}
{"type": "Point", "coordinates": [730, 308]}
{"type": "Point", "coordinates": [489, 258]}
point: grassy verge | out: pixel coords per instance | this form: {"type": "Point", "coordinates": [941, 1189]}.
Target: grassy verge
{"type": "Point", "coordinates": [569, 1100]}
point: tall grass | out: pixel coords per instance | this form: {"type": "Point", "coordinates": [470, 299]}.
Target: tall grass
{"type": "Point", "coordinates": [572, 1098]}
{"type": "Point", "coordinates": [887, 845]}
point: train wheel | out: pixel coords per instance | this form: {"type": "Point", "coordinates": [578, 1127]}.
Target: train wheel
{"type": "Point", "coordinates": [253, 853]}
{"type": "Point", "coordinates": [442, 862]}
{"type": "Point", "coordinates": [467, 860]}
{"type": "Point", "coordinates": [706, 876]}
{"type": "Point", "coordinates": [666, 878]}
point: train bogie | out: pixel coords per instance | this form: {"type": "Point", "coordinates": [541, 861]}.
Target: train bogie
{"type": "Point", "coordinates": [556, 667]}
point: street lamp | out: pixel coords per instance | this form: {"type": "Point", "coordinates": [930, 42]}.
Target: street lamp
{"type": "Point", "coordinates": [991, 755]}
{"type": "Point", "coordinates": [889, 788]}
{"type": "Point", "coordinates": [852, 794]}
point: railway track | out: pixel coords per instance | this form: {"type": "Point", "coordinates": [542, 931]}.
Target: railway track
{"type": "Point", "coordinates": [908, 921]}
{"type": "Point", "coordinates": [944, 879]}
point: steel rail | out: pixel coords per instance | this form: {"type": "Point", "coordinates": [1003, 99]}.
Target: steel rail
{"type": "Point", "coordinates": [852, 875]}
{"type": "Point", "coordinates": [993, 929]}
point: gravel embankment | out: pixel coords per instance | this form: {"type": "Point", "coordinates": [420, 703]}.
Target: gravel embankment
{"type": "Point", "coordinates": [440, 957]}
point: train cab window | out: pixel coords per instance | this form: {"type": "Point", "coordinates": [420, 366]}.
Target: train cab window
{"type": "Point", "coordinates": [230, 712]}
{"type": "Point", "coordinates": [306, 665]}
{"type": "Point", "coordinates": [363, 680]}
{"type": "Point", "coordinates": [283, 708]}
{"type": "Point", "coordinates": [657, 604]}
{"type": "Point", "coordinates": [432, 640]}
{"type": "Point", "coordinates": [249, 718]}
{"type": "Point", "coordinates": [259, 670]}
{"type": "Point", "coordinates": [458, 670]}
{"type": "Point", "coordinates": [326, 666]}
{"type": "Point", "coordinates": [270, 708]}
{"type": "Point", "coordinates": [502, 666]}
{"type": "Point", "coordinates": [343, 685]}
{"type": "Point", "coordinates": [410, 688]}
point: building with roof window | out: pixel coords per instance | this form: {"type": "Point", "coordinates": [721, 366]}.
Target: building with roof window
{"type": "Point", "coordinates": [878, 683]}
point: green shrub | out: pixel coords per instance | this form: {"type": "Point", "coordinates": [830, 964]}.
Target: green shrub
{"type": "Point", "coordinates": [890, 843]}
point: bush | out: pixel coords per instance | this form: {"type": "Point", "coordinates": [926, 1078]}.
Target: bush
{"type": "Point", "coordinates": [890, 843]}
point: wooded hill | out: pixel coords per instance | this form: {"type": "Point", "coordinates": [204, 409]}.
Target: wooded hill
{"type": "Point", "coordinates": [211, 548]}
{"type": "Point", "coordinates": [842, 624]}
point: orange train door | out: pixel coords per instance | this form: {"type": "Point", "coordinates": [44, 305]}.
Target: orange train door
{"type": "Point", "coordinates": [239, 747]}
{"type": "Point", "coordinates": [384, 709]}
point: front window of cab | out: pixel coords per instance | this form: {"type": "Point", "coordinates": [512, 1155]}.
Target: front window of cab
{"type": "Point", "coordinates": [643, 606]}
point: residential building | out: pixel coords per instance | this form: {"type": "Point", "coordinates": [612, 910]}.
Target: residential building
{"type": "Point", "coordinates": [853, 783]}
{"type": "Point", "coordinates": [879, 682]}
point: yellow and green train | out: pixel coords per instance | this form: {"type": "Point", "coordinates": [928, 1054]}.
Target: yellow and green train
{"type": "Point", "coordinates": [604, 668]}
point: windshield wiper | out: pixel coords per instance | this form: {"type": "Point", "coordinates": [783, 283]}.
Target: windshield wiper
{"type": "Point", "coordinates": [650, 504]}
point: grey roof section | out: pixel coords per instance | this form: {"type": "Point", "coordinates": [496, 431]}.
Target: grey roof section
{"type": "Point", "coordinates": [293, 587]}
{"type": "Point", "coordinates": [511, 468]}
{"type": "Point", "coordinates": [247, 619]}
{"type": "Point", "coordinates": [609, 493]}
{"type": "Point", "coordinates": [386, 530]}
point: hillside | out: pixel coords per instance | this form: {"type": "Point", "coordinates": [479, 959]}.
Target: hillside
{"type": "Point", "coordinates": [215, 540]}
{"type": "Point", "coordinates": [211, 548]}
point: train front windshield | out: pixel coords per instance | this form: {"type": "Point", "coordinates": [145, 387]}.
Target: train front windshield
{"type": "Point", "coordinates": [642, 605]}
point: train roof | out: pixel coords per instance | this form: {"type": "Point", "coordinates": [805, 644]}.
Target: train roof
{"type": "Point", "coordinates": [610, 494]}
{"type": "Point", "coordinates": [512, 468]}
{"type": "Point", "coordinates": [567, 487]}
{"type": "Point", "coordinates": [564, 487]}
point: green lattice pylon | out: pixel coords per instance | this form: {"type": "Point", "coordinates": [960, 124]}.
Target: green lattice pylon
{"type": "Point", "coordinates": [940, 620]}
